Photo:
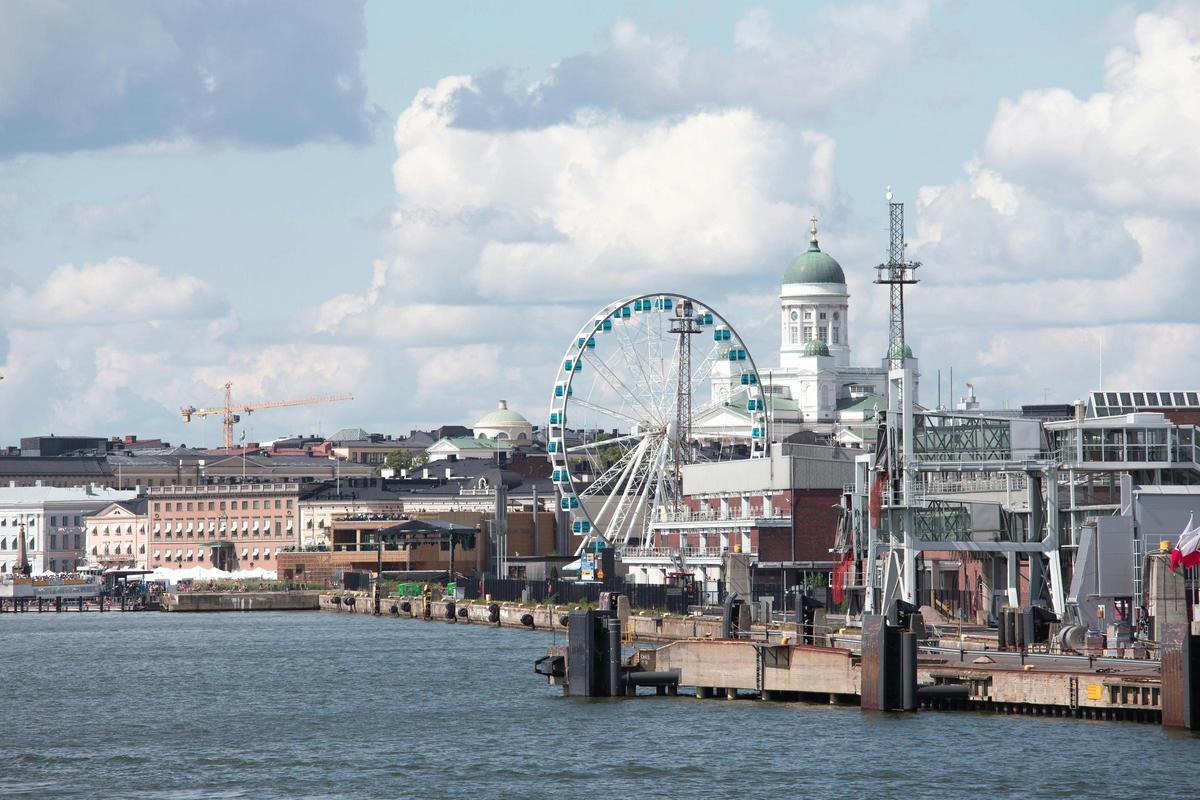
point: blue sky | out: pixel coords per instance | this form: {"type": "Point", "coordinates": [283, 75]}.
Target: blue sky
{"type": "Point", "coordinates": [420, 203]}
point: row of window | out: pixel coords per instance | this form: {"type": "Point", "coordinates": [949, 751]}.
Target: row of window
{"type": "Point", "coordinates": [67, 540]}
{"type": "Point", "coordinates": [216, 505]}
{"type": "Point", "coordinates": [1146, 399]}
{"type": "Point", "coordinates": [827, 335]}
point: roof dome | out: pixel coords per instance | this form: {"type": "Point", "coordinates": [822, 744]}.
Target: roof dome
{"type": "Point", "coordinates": [816, 348]}
{"type": "Point", "coordinates": [502, 417]}
{"type": "Point", "coordinates": [908, 353]}
{"type": "Point", "coordinates": [813, 266]}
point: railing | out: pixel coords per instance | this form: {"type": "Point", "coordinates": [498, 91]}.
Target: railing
{"type": "Point", "coordinates": [739, 514]}
{"type": "Point", "coordinates": [223, 488]}
{"type": "Point", "coordinates": [671, 553]}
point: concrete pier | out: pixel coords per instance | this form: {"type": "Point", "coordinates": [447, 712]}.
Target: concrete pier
{"type": "Point", "coordinates": [241, 601]}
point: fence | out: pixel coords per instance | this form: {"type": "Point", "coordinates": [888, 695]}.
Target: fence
{"type": "Point", "coordinates": [672, 599]}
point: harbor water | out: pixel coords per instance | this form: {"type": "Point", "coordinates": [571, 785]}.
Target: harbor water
{"type": "Point", "coordinates": [311, 705]}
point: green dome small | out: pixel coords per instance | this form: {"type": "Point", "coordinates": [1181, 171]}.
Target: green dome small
{"type": "Point", "coordinates": [816, 348]}
{"type": "Point", "coordinates": [908, 353]}
{"type": "Point", "coordinates": [501, 417]}
{"type": "Point", "coordinates": [813, 266]}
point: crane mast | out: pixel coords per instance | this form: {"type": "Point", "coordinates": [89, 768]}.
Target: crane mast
{"type": "Point", "coordinates": [231, 414]}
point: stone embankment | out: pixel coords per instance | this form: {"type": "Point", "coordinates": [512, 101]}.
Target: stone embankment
{"type": "Point", "coordinates": [242, 601]}
{"type": "Point", "coordinates": [660, 628]}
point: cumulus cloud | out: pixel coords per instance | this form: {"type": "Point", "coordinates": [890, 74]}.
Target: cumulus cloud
{"type": "Point", "coordinates": [1074, 229]}
{"type": "Point", "coordinates": [504, 241]}
{"type": "Point", "coordinates": [77, 76]}
{"type": "Point", "coordinates": [119, 346]}
{"type": "Point", "coordinates": [1130, 146]}
{"type": "Point", "coordinates": [647, 76]}
{"type": "Point", "coordinates": [113, 292]}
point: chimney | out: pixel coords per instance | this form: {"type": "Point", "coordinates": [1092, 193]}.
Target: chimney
{"type": "Point", "coordinates": [449, 473]}
{"type": "Point", "coordinates": [1079, 410]}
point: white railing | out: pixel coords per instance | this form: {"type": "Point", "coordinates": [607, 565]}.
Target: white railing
{"type": "Point", "coordinates": [731, 515]}
{"type": "Point", "coordinates": [672, 553]}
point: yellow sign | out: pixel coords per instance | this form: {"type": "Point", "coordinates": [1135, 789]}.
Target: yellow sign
{"type": "Point", "coordinates": [1094, 691]}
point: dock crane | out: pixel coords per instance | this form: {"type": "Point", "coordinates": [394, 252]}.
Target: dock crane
{"type": "Point", "coordinates": [231, 414]}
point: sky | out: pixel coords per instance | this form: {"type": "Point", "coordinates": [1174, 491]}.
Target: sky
{"type": "Point", "coordinates": [421, 203]}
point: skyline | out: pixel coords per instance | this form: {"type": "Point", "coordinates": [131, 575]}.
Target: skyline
{"type": "Point", "coordinates": [425, 208]}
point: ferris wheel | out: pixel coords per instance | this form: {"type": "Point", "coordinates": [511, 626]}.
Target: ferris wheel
{"type": "Point", "coordinates": [649, 384]}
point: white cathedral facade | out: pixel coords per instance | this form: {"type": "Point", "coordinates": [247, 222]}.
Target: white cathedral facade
{"type": "Point", "coordinates": [815, 387]}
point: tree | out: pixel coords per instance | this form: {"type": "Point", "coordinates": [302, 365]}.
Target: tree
{"type": "Point", "coordinates": [403, 459]}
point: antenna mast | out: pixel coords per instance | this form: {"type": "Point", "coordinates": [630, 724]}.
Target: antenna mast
{"type": "Point", "coordinates": [896, 272]}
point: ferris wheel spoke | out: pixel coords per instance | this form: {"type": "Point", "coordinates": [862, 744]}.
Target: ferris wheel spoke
{"type": "Point", "coordinates": [599, 443]}
{"type": "Point", "coordinates": [616, 384]}
{"type": "Point", "coordinates": [621, 491]}
{"type": "Point", "coordinates": [702, 372]}
{"type": "Point", "coordinates": [629, 349]}
{"type": "Point", "coordinates": [612, 473]}
{"type": "Point", "coordinates": [599, 409]}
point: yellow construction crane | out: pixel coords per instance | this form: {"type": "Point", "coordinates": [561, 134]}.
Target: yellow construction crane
{"type": "Point", "coordinates": [231, 414]}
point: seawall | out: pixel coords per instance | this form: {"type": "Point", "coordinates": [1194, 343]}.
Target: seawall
{"type": "Point", "coordinates": [513, 615]}
{"type": "Point", "coordinates": [241, 601]}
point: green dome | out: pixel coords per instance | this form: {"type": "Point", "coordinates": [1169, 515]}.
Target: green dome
{"type": "Point", "coordinates": [816, 348]}
{"type": "Point", "coordinates": [813, 266]}
{"type": "Point", "coordinates": [502, 417]}
{"type": "Point", "coordinates": [908, 353]}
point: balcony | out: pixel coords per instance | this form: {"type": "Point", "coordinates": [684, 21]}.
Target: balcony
{"type": "Point", "coordinates": [671, 554]}
{"type": "Point", "coordinates": [739, 514]}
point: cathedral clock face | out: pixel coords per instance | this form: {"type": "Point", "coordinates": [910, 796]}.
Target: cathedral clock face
{"type": "Point", "coordinates": [795, 315]}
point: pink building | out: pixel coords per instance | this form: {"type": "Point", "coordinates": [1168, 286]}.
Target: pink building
{"type": "Point", "coordinates": [229, 526]}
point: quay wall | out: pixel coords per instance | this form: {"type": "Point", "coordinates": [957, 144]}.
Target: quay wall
{"type": "Point", "coordinates": [545, 617]}
{"type": "Point", "coordinates": [241, 601]}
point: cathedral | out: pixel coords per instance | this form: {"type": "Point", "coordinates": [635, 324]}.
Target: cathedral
{"type": "Point", "coordinates": [815, 387]}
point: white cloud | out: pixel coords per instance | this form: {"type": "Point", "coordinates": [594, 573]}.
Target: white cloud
{"type": "Point", "coordinates": [118, 291]}
{"type": "Point", "coordinates": [118, 347]}
{"type": "Point", "coordinates": [646, 76]}
{"type": "Point", "coordinates": [1075, 225]}
{"type": "Point", "coordinates": [1131, 146]}
{"type": "Point", "coordinates": [77, 76]}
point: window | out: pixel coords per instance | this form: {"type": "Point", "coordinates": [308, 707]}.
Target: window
{"type": "Point", "coordinates": [835, 334]}
{"type": "Point", "coordinates": [808, 333]}
{"type": "Point", "coordinates": [822, 315]}
{"type": "Point", "coordinates": [54, 541]}
{"type": "Point", "coordinates": [54, 521]}
{"type": "Point", "coordinates": [256, 504]}
{"type": "Point", "coordinates": [1179, 401]}
{"type": "Point", "coordinates": [245, 505]}
{"type": "Point", "coordinates": [836, 316]}
{"type": "Point", "coordinates": [1139, 398]}
{"type": "Point", "coordinates": [289, 505]}
{"type": "Point", "coordinates": [792, 335]}
{"type": "Point", "coordinates": [189, 506]}
{"type": "Point", "coordinates": [78, 542]}
{"type": "Point", "coordinates": [278, 503]}
{"type": "Point", "coordinates": [823, 333]}
{"type": "Point", "coordinates": [222, 505]}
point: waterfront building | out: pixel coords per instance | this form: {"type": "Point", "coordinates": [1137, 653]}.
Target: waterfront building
{"type": "Point", "coordinates": [230, 526]}
{"type": "Point", "coordinates": [115, 536]}
{"type": "Point", "coordinates": [781, 512]}
{"type": "Point", "coordinates": [53, 519]}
